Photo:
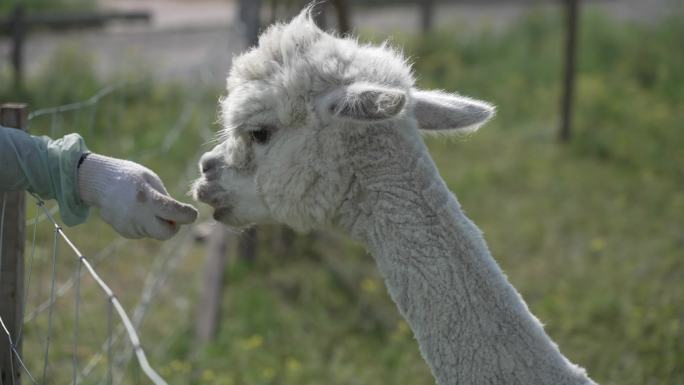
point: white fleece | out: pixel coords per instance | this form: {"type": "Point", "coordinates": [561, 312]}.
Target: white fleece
{"type": "Point", "coordinates": [344, 149]}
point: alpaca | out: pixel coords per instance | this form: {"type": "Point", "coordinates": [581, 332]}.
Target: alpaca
{"type": "Point", "coordinates": [320, 131]}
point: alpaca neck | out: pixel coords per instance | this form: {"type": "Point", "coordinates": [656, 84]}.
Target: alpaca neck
{"type": "Point", "coordinates": [471, 324]}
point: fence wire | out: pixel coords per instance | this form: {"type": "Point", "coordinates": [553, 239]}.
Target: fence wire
{"type": "Point", "coordinates": [163, 264]}
{"type": "Point", "coordinates": [111, 298]}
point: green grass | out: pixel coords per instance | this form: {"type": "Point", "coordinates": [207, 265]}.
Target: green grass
{"type": "Point", "coordinates": [589, 232]}
{"type": "Point", "coordinates": [7, 6]}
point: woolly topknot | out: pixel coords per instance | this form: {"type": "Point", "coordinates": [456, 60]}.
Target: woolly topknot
{"type": "Point", "coordinates": [299, 54]}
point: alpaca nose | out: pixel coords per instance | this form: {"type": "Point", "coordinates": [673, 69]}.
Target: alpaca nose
{"type": "Point", "coordinates": [209, 163]}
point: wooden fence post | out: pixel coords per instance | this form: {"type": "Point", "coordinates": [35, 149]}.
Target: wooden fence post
{"type": "Point", "coordinates": [427, 13]}
{"type": "Point", "coordinates": [273, 11]}
{"type": "Point", "coordinates": [12, 258]}
{"type": "Point", "coordinates": [209, 309]}
{"type": "Point", "coordinates": [248, 245]}
{"type": "Point", "coordinates": [283, 242]}
{"type": "Point", "coordinates": [211, 297]}
{"type": "Point", "coordinates": [567, 101]}
{"type": "Point", "coordinates": [343, 20]}
{"type": "Point", "coordinates": [250, 12]}
{"type": "Point", "coordinates": [18, 33]}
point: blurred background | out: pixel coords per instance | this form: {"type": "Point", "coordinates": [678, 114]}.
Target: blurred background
{"type": "Point", "coordinates": [578, 185]}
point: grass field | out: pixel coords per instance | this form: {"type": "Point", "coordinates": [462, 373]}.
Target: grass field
{"type": "Point", "coordinates": [591, 233]}
{"type": "Point", "coordinates": [46, 5]}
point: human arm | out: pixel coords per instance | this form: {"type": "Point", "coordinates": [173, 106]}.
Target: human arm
{"type": "Point", "coordinates": [45, 167]}
{"type": "Point", "coordinates": [131, 198]}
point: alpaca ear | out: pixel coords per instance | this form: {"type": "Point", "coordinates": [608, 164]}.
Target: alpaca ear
{"type": "Point", "coordinates": [365, 102]}
{"type": "Point", "coordinates": [441, 111]}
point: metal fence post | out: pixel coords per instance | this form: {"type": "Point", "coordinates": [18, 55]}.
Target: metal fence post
{"type": "Point", "coordinates": [343, 19]}
{"type": "Point", "coordinates": [18, 32]}
{"type": "Point", "coordinates": [567, 101]}
{"type": "Point", "coordinates": [12, 258]}
{"type": "Point", "coordinates": [250, 11]}
{"type": "Point", "coordinates": [427, 15]}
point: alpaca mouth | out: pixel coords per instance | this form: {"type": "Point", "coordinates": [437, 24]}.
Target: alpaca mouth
{"type": "Point", "coordinates": [211, 194]}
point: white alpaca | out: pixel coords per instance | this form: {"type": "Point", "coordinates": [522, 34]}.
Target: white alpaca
{"type": "Point", "coordinates": [321, 131]}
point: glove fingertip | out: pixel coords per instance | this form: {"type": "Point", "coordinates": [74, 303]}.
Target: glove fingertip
{"type": "Point", "coordinates": [168, 208]}
{"type": "Point", "coordinates": [189, 214]}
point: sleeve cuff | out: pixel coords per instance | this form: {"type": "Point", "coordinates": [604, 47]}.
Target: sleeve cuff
{"type": "Point", "coordinates": [64, 156]}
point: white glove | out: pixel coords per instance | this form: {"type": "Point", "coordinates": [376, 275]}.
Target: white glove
{"type": "Point", "coordinates": [131, 198]}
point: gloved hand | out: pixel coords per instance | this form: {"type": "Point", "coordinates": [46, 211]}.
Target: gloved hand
{"type": "Point", "coordinates": [131, 198]}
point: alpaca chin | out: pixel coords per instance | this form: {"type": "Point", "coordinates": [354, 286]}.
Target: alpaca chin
{"type": "Point", "coordinates": [223, 215]}
{"type": "Point", "coordinates": [226, 216]}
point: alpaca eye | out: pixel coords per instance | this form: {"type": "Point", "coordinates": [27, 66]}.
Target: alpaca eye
{"type": "Point", "coordinates": [261, 136]}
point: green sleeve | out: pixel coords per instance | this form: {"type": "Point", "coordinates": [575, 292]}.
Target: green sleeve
{"type": "Point", "coordinates": [45, 167]}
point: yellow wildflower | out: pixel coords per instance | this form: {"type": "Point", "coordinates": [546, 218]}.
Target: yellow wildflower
{"type": "Point", "coordinates": [293, 364]}
{"type": "Point", "coordinates": [208, 375]}
{"type": "Point", "coordinates": [252, 342]}
{"type": "Point", "coordinates": [402, 328]}
{"type": "Point", "coordinates": [225, 381]}
{"type": "Point", "coordinates": [267, 373]}
{"type": "Point", "coordinates": [597, 244]}
{"type": "Point", "coordinates": [369, 285]}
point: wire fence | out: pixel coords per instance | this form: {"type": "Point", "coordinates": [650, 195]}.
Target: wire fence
{"type": "Point", "coordinates": [109, 362]}
{"type": "Point", "coordinates": [113, 305]}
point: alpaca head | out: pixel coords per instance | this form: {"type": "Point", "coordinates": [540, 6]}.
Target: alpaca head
{"type": "Point", "coordinates": [281, 153]}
